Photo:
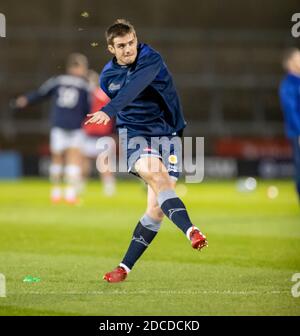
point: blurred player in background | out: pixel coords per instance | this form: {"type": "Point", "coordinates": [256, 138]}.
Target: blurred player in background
{"type": "Point", "coordinates": [290, 101]}
{"type": "Point", "coordinates": [145, 103]}
{"type": "Point", "coordinates": [93, 132]}
{"type": "Point", "coordinates": [70, 104]}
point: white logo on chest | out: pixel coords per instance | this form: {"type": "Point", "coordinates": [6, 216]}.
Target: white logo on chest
{"type": "Point", "coordinates": [114, 87]}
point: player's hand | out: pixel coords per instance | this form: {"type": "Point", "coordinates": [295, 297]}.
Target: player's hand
{"type": "Point", "coordinates": [21, 102]}
{"type": "Point", "coordinates": [98, 118]}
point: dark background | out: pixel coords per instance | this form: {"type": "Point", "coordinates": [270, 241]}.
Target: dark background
{"type": "Point", "coordinates": [225, 57]}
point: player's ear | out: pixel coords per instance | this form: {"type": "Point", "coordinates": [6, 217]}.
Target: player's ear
{"type": "Point", "coordinates": [111, 49]}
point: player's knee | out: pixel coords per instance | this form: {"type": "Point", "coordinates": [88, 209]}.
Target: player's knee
{"type": "Point", "coordinates": [72, 173]}
{"type": "Point", "coordinates": [151, 223]}
{"type": "Point", "coordinates": [155, 212]}
{"type": "Point", "coordinates": [55, 169]}
{"type": "Point", "coordinates": [160, 181]}
{"type": "Point", "coordinates": [149, 168]}
{"type": "Point", "coordinates": [55, 172]}
{"type": "Point", "coordinates": [159, 215]}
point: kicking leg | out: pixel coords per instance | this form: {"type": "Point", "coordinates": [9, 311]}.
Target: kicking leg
{"type": "Point", "coordinates": [171, 205]}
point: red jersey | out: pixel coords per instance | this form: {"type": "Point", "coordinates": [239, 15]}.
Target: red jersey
{"type": "Point", "coordinates": [99, 99]}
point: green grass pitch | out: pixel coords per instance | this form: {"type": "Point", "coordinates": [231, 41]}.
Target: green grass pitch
{"type": "Point", "coordinates": [254, 250]}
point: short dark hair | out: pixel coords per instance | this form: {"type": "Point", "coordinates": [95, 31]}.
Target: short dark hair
{"type": "Point", "coordinates": [120, 27]}
{"type": "Point", "coordinates": [287, 55]}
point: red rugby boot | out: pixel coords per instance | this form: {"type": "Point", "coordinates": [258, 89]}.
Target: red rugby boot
{"type": "Point", "coordinates": [198, 240]}
{"type": "Point", "coordinates": [117, 275]}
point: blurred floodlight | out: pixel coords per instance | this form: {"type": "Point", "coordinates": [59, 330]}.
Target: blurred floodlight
{"type": "Point", "coordinates": [247, 184]}
{"type": "Point", "coordinates": [272, 192]}
{"type": "Point", "coordinates": [85, 15]}
{"type": "Point", "coordinates": [250, 183]}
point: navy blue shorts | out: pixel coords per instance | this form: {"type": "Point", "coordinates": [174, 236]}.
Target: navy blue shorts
{"type": "Point", "coordinates": [167, 148]}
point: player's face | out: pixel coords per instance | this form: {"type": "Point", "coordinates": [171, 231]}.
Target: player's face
{"type": "Point", "coordinates": [124, 48]}
{"type": "Point", "coordinates": [294, 63]}
{"type": "Point", "coordinates": [297, 61]}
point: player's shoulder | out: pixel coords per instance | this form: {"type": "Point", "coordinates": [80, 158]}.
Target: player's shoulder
{"type": "Point", "coordinates": [147, 52]}
{"type": "Point", "coordinates": [106, 74]}
{"type": "Point", "coordinates": [289, 81]}
{"type": "Point", "coordinates": [107, 69]}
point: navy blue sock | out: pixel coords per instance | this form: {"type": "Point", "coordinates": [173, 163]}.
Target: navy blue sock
{"type": "Point", "coordinates": [141, 238]}
{"type": "Point", "coordinates": [174, 209]}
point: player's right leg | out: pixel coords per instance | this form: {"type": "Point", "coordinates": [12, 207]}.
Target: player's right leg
{"type": "Point", "coordinates": [144, 233]}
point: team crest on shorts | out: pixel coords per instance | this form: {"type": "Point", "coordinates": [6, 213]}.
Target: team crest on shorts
{"type": "Point", "coordinates": [173, 159]}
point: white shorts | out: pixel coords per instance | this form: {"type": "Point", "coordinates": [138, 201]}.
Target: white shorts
{"type": "Point", "coordinates": [62, 139]}
{"type": "Point", "coordinates": [90, 149]}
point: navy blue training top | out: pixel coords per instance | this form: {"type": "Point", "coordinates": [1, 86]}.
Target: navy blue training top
{"type": "Point", "coordinates": [70, 103]}
{"type": "Point", "coordinates": [289, 92]}
{"type": "Point", "coordinates": [143, 96]}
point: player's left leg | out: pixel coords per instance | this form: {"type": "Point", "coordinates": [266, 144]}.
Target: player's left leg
{"type": "Point", "coordinates": [144, 233]}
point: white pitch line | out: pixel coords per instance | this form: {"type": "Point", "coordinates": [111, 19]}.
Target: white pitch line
{"type": "Point", "coordinates": [143, 292]}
